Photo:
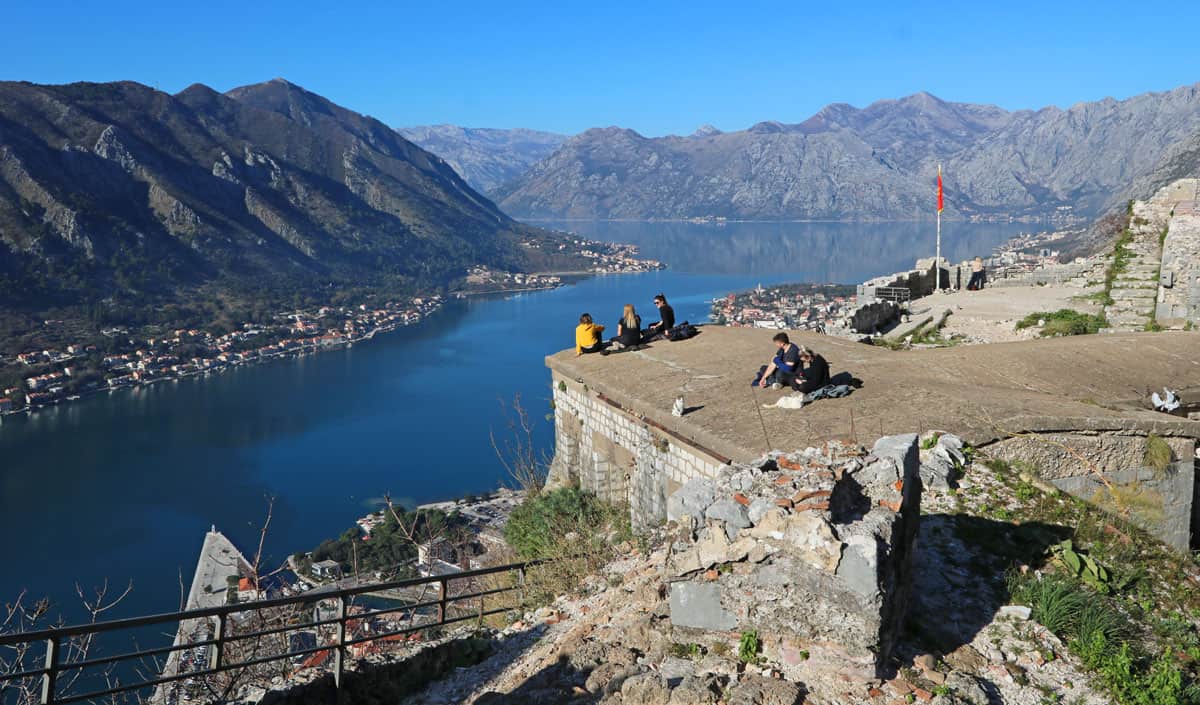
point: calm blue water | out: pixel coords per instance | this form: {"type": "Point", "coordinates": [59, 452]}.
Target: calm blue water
{"type": "Point", "coordinates": [124, 486]}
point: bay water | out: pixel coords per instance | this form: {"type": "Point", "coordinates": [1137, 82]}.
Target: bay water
{"type": "Point", "coordinates": [121, 487]}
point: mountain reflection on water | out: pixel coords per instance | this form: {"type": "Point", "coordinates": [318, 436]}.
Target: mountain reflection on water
{"type": "Point", "coordinates": [808, 251]}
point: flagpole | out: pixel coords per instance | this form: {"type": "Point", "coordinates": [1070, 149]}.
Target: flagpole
{"type": "Point", "coordinates": [937, 261]}
{"type": "Point", "coordinates": [937, 258]}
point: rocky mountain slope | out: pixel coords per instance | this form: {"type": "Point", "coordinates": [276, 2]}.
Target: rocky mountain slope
{"type": "Point", "coordinates": [487, 158]}
{"type": "Point", "coordinates": [118, 190]}
{"type": "Point", "coordinates": [876, 162]}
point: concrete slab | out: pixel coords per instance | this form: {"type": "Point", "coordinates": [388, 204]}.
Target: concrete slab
{"type": "Point", "coordinates": [991, 315]}
{"type": "Point", "coordinates": [980, 392]}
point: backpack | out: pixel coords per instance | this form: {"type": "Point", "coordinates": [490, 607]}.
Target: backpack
{"type": "Point", "coordinates": [683, 331]}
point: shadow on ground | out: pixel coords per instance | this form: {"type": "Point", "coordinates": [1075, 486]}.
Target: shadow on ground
{"type": "Point", "coordinates": [960, 579]}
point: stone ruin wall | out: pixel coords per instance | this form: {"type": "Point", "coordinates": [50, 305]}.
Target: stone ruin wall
{"type": "Point", "coordinates": [608, 450]}
{"type": "Point", "coordinates": [812, 551]}
{"type": "Point", "coordinates": [1161, 501]}
{"type": "Point", "coordinates": [1179, 279]}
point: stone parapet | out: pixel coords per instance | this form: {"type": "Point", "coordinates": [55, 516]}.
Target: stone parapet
{"type": "Point", "coordinates": [811, 550]}
{"type": "Point", "coordinates": [623, 458]}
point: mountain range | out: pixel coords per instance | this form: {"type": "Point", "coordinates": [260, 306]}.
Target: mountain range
{"type": "Point", "coordinates": [119, 190]}
{"type": "Point", "coordinates": [876, 162]}
{"type": "Point", "coordinates": [487, 158]}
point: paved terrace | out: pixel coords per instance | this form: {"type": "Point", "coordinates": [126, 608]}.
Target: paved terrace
{"type": "Point", "coordinates": [982, 392]}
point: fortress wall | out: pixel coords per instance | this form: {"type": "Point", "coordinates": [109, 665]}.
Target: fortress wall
{"type": "Point", "coordinates": [623, 458]}
{"type": "Point", "coordinates": [1160, 501]}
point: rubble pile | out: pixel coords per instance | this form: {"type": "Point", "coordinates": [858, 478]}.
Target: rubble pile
{"type": "Point", "coordinates": [811, 551]}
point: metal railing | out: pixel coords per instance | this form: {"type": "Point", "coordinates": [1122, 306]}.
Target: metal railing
{"type": "Point", "coordinates": [222, 637]}
{"type": "Point", "coordinates": [896, 294]}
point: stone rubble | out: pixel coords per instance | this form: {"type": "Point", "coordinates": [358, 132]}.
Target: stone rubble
{"type": "Point", "coordinates": [825, 568]}
{"type": "Point", "coordinates": [614, 641]}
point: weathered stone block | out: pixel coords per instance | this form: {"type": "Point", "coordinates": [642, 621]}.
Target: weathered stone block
{"type": "Point", "coordinates": [698, 605]}
{"type": "Point", "coordinates": [691, 499]}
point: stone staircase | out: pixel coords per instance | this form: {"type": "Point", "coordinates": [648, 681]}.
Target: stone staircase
{"type": "Point", "coordinates": [1135, 290]}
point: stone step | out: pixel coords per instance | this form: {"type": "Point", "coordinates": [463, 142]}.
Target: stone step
{"type": "Point", "coordinates": [1148, 270]}
{"type": "Point", "coordinates": [1131, 305]}
{"type": "Point", "coordinates": [1129, 322]}
{"type": "Point", "coordinates": [1139, 297]}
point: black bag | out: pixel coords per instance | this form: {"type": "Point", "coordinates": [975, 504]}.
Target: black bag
{"type": "Point", "coordinates": [683, 331]}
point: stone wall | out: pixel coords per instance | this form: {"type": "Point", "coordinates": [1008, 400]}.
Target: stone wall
{"type": "Point", "coordinates": [811, 550]}
{"type": "Point", "coordinates": [1176, 207]}
{"type": "Point", "coordinates": [608, 450]}
{"type": "Point", "coordinates": [1159, 501]}
{"type": "Point", "coordinates": [1078, 273]}
{"type": "Point", "coordinates": [919, 281]}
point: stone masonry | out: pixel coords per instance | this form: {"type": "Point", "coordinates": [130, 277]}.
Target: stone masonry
{"type": "Point", "coordinates": [1134, 290]}
{"type": "Point", "coordinates": [811, 550]}
{"type": "Point", "coordinates": [1179, 281]}
{"type": "Point", "coordinates": [1161, 501]}
{"type": "Point", "coordinates": [1021, 401]}
{"type": "Point", "coordinates": [620, 456]}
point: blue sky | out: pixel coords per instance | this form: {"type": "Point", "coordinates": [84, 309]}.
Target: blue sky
{"type": "Point", "coordinates": [657, 67]}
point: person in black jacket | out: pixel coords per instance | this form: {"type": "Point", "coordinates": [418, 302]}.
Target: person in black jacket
{"type": "Point", "coordinates": [813, 372]}
{"type": "Point", "coordinates": [658, 328]}
{"type": "Point", "coordinates": [629, 328]}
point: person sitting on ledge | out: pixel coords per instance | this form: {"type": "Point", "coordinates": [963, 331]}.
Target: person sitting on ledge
{"type": "Point", "coordinates": [812, 372]}
{"type": "Point", "coordinates": [978, 276]}
{"type": "Point", "coordinates": [629, 328]}
{"type": "Point", "coordinates": [587, 336]}
{"type": "Point", "coordinates": [784, 367]}
{"type": "Point", "coordinates": [658, 328]}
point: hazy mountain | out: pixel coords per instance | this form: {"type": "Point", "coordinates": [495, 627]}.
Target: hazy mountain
{"type": "Point", "coordinates": [876, 162]}
{"type": "Point", "coordinates": [110, 190]}
{"type": "Point", "coordinates": [485, 157]}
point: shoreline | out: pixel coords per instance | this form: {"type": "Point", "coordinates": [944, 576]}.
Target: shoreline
{"type": "Point", "coordinates": [723, 221]}
{"type": "Point", "coordinates": [310, 346]}
{"type": "Point", "coordinates": [262, 358]}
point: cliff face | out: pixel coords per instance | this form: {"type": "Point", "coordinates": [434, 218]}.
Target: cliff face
{"type": "Point", "coordinates": [127, 190]}
{"type": "Point", "coordinates": [486, 158]}
{"type": "Point", "coordinates": [876, 163]}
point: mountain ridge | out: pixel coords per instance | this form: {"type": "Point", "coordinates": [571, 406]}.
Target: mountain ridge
{"type": "Point", "coordinates": [875, 162]}
{"type": "Point", "coordinates": [117, 191]}
{"type": "Point", "coordinates": [485, 157]}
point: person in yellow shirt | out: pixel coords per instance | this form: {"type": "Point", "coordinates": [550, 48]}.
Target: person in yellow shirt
{"type": "Point", "coordinates": [587, 336]}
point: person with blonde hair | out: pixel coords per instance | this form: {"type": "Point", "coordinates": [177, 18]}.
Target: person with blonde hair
{"type": "Point", "coordinates": [629, 328]}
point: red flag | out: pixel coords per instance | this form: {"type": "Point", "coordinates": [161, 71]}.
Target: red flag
{"type": "Point", "coordinates": [941, 203]}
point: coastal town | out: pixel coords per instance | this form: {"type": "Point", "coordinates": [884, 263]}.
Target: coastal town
{"type": "Point", "coordinates": [121, 359]}
{"type": "Point", "coordinates": [126, 361]}
{"type": "Point", "coordinates": [811, 307]}
{"type": "Point", "coordinates": [1027, 252]}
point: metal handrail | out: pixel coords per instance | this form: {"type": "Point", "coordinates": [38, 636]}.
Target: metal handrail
{"type": "Point", "coordinates": [54, 638]}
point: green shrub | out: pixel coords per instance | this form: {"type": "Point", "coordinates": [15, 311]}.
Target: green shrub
{"type": "Point", "coordinates": [565, 521]}
{"type": "Point", "coordinates": [1063, 322]}
{"type": "Point", "coordinates": [748, 647]}
{"type": "Point", "coordinates": [1054, 603]}
{"type": "Point", "coordinates": [1105, 639]}
{"type": "Point", "coordinates": [688, 651]}
{"type": "Point", "coordinates": [1158, 454]}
